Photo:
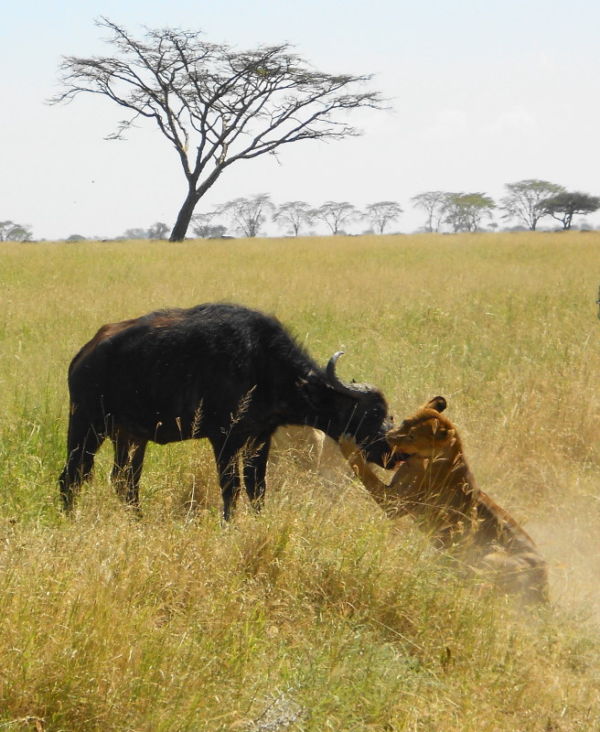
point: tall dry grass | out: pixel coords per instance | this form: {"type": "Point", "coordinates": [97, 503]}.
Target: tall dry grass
{"type": "Point", "coordinates": [317, 614]}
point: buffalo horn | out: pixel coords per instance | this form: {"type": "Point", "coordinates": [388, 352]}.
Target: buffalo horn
{"type": "Point", "coordinates": [333, 379]}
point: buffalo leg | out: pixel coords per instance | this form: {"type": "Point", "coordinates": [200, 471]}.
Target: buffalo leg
{"type": "Point", "coordinates": [226, 454]}
{"type": "Point", "coordinates": [127, 468]}
{"type": "Point", "coordinates": [255, 469]}
{"type": "Point", "coordinates": [84, 440]}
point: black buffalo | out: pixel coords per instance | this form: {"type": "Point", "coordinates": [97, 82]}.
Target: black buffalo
{"type": "Point", "coordinates": [219, 371]}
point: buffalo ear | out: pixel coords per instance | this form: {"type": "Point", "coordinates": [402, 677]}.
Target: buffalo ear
{"type": "Point", "coordinates": [438, 403]}
{"type": "Point", "coordinates": [312, 390]}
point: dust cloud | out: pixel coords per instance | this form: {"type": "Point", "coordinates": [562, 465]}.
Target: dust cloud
{"type": "Point", "coordinates": [570, 541]}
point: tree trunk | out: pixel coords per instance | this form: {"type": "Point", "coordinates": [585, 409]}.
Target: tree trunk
{"type": "Point", "coordinates": [184, 216]}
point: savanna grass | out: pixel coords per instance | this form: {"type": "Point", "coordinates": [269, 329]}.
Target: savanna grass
{"type": "Point", "coordinates": [319, 613]}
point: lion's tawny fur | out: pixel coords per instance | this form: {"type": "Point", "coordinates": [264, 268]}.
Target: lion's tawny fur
{"type": "Point", "coordinates": [435, 485]}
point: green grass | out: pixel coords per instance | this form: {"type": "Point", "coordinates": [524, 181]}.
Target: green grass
{"type": "Point", "coordinates": [318, 614]}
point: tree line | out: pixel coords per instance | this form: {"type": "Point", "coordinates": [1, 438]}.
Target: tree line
{"type": "Point", "coordinates": [247, 215]}
{"type": "Point", "coordinates": [525, 204]}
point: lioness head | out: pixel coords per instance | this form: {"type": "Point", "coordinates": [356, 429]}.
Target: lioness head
{"type": "Point", "coordinates": [424, 435]}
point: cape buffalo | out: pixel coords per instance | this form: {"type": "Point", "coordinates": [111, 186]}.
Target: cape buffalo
{"type": "Point", "coordinates": [217, 370]}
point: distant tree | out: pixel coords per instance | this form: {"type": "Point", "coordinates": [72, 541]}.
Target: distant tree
{"type": "Point", "coordinates": [381, 214]}
{"type": "Point", "coordinates": [292, 216]}
{"type": "Point", "coordinates": [434, 204]}
{"type": "Point", "coordinates": [334, 214]}
{"type": "Point", "coordinates": [9, 231]}
{"type": "Point", "coordinates": [248, 214]}
{"type": "Point", "coordinates": [465, 211]}
{"type": "Point", "coordinates": [158, 231]}
{"type": "Point", "coordinates": [524, 200]}
{"type": "Point", "coordinates": [216, 231]}
{"type": "Point", "coordinates": [75, 238]}
{"type": "Point", "coordinates": [135, 233]}
{"type": "Point", "coordinates": [202, 222]}
{"type": "Point", "coordinates": [563, 206]}
{"type": "Point", "coordinates": [215, 106]}
{"type": "Point", "coordinates": [203, 226]}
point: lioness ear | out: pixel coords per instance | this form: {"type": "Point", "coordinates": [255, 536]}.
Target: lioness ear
{"type": "Point", "coordinates": [438, 403]}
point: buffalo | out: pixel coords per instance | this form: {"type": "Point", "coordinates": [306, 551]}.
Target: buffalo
{"type": "Point", "coordinates": [217, 370]}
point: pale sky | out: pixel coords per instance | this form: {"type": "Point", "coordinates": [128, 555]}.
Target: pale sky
{"type": "Point", "coordinates": [484, 93]}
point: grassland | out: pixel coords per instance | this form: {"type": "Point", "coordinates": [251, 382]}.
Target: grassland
{"type": "Point", "coordinates": [318, 614]}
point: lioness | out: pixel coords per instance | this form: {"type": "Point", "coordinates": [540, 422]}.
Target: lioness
{"type": "Point", "coordinates": [433, 484]}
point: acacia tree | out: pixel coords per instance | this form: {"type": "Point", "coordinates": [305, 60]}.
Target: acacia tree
{"type": "Point", "coordinates": [563, 206]}
{"type": "Point", "coordinates": [293, 215]}
{"type": "Point", "coordinates": [135, 233]}
{"type": "Point", "coordinates": [159, 230]}
{"type": "Point", "coordinates": [525, 198]}
{"type": "Point", "coordinates": [434, 203]}
{"type": "Point", "coordinates": [203, 225]}
{"type": "Point", "coordinates": [248, 214]}
{"type": "Point", "coordinates": [9, 231]}
{"type": "Point", "coordinates": [334, 214]}
{"type": "Point", "coordinates": [215, 106]}
{"type": "Point", "coordinates": [465, 211]}
{"type": "Point", "coordinates": [381, 213]}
